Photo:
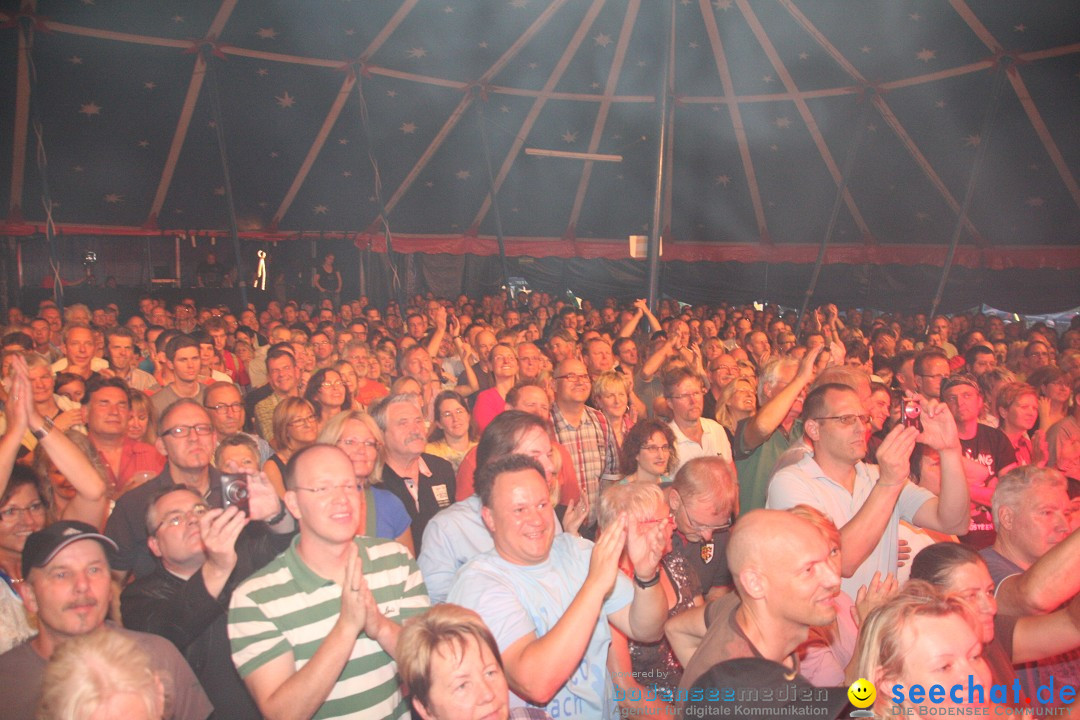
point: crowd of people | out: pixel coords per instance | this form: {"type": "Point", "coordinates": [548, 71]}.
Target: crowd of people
{"type": "Point", "coordinates": [519, 507]}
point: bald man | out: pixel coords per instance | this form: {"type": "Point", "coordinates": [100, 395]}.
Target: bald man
{"type": "Point", "coordinates": [784, 585]}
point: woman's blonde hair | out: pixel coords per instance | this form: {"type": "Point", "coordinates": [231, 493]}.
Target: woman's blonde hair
{"type": "Point", "coordinates": [284, 413]}
{"type": "Point", "coordinates": [723, 414]}
{"type": "Point", "coordinates": [637, 500]}
{"type": "Point", "coordinates": [335, 427]}
{"type": "Point", "coordinates": [87, 671]}
{"type": "Point", "coordinates": [885, 635]}
{"type": "Point", "coordinates": [140, 401]}
{"type": "Point", "coordinates": [607, 382]}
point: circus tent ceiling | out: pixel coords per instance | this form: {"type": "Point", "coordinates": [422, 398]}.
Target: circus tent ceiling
{"type": "Point", "coordinates": [887, 126]}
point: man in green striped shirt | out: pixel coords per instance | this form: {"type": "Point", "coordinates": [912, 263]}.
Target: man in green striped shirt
{"type": "Point", "coordinates": [314, 633]}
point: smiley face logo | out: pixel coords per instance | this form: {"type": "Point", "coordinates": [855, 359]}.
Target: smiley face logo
{"type": "Point", "coordinates": [862, 693]}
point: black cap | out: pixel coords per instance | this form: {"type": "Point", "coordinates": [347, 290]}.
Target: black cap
{"type": "Point", "coordinates": [759, 688]}
{"type": "Point", "coordinates": [41, 547]}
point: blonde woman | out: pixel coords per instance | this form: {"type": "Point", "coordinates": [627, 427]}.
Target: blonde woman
{"type": "Point", "coordinates": [611, 396]}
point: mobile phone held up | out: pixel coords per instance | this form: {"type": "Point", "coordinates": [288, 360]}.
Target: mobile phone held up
{"type": "Point", "coordinates": [234, 491]}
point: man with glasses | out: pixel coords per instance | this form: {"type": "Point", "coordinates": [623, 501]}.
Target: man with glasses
{"type": "Point", "coordinates": [284, 377]}
{"type": "Point", "coordinates": [723, 370]}
{"type": "Point", "coordinates": [931, 368]}
{"type": "Point", "coordinates": [315, 632]}
{"type": "Point", "coordinates": [203, 555]}
{"type": "Point", "coordinates": [695, 436]}
{"type": "Point", "coordinates": [187, 439]}
{"type": "Point", "coordinates": [703, 498]}
{"type": "Point", "coordinates": [583, 431]}
{"type": "Point", "coordinates": [867, 502]}
{"type": "Point", "coordinates": [227, 414]}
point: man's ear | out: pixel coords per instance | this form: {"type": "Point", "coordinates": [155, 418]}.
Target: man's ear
{"type": "Point", "coordinates": [812, 430]}
{"type": "Point", "coordinates": [155, 548]}
{"type": "Point", "coordinates": [159, 444]}
{"type": "Point", "coordinates": [29, 598]}
{"type": "Point", "coordinates": [291, 504]}
{"type": "Point", "coordinates": [753, 583]}
{"type": "Point", "coordinates": [489, 521]}
{"type": "Point", "coordinates": [1006, 517]}
{"type": "Point", "coordinates": [421, 710]}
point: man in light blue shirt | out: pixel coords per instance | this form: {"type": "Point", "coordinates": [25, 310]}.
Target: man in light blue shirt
{"type": "Point", "coordinates": [548, 597]}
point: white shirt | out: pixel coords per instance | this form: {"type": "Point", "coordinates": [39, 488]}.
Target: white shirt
{"type": "Point", "coordinates": [806, 483]}
{"type": "Point", "coordinates": [714, 441]}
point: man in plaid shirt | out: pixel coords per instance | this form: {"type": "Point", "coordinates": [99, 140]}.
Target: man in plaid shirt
{"type": "Point", "coordinates": [583, 431]}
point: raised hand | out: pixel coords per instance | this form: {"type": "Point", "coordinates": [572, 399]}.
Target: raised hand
{"type": "Point", "coordinates": [354, 594]}
{"type": "Point", "coordinates": [938, 426]}
{"type": "Point", "coordinates": [645, 543]}
{"type": "Point", "coordinates": [894, 455]}
{"type": "Point", "coordinates": [604, 563]}
{"type": "Point", "coordinates": [219, 529]}
{"type": "Point", "coordinates": [872, 595]}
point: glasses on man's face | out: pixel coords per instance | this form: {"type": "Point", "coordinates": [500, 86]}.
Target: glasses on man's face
{"type": "Point", "coordinates": [182, 431]}
{"type": "Point", "coordinates": [694, 395]}
{"type": "Point", "coordinates": [305, 420]}
{"type": "Point", "coordinates": [323, 491]}
{"type": "Point", "coordinates": [10, 515]}
{"type": "Point", "coordinates": [701, 528]}
{"type": "Point", "coordinates": [574, 377]}
{"type": "Point", "coordinates": [846, 420]}
{"type": "Point", "coordinates": [180, 517]}
{"type": "Point", "coordinates": [226, 407]}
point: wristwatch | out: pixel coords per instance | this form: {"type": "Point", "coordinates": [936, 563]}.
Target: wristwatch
{"type": "Point", "coordinates": [46, 426]}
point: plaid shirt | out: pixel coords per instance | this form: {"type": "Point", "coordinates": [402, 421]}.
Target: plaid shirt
{"type": "Point", "coordinates": [592, 449]}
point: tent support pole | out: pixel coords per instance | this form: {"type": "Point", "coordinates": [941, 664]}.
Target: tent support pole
{"type": "Point", "coordinates": [969, 192]}
{"type": "Point", "coordinates": [663, 141]}
{"type": "Point", "coordinates": [845, 177]}
{"type": "Point", "coordinates": [496, 216]}
{"type": "Point", "coordinates": [230, 203]}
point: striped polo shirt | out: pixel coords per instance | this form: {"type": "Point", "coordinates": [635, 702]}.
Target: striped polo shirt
{"type": "Point", "coordinates": [287, 608]}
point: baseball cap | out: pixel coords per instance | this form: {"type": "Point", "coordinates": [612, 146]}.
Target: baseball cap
{"type": "Point", "coordinates": [960, 379]}
{"type": "Point", "coordinates": [42, 546]}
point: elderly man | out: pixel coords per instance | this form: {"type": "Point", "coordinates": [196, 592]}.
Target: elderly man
{"type": "Point", "coordinates": [204, 554]}
{"type": "Point", "coordinates": [583, 431]}
{"type": "Point", "coordinates": [867, 502]}
{"type": "Point", "coordinates": [423, 482]}
{"type": "Point", "coordinates": [68, 589]}
{"type": "Point", "coordinates": [226, 407]}
{"type": "Point", "coordinates": [763, 437]}
{"type": "Point", "coordinates": [548, 597]}
{"type": "Point", "coordinates": [106, 411]}
{"type": "Point", "coordinates": [703, 498]}
{"type": "Point", "coordinates": [1035, 560]}
{"type": "Point", "coordinates": [785, 584]}
{"type": "Point", "coordinates": [695, 436]}
{"type": "Point", "coordinates": [315, 632]}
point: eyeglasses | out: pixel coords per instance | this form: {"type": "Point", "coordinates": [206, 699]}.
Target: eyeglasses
{"type": "Point", "coordinates": [701, 527]}
{"type": "Point", "coordinates": [329, 385]}
{"type": "Point", "coordinates": [306, 420]}
{"type": "Point", "coordinates": [347, 488]}
{"type": "Point", "coordinates": [11, 515]}
{"type": "Point", "coordinates": [348, 443]}
{"type": "Point", "coordinates": [447, 414]}
{"type": "Point", "coordinates": [320, 343]}
{"type": "Point", "coordinates": [182, 431]}
{"type": "Point", "coordinates": [179, 517]}
{"type": "Point", "coordinates": [846, 420]}
{"type": "Point", "coordinates": [689, 396]}
{"type": "Point", "coordinates": [573, 377]}
{"type": "Point", "coordinates": [657, 448]}
{"type": "Point", "coordinates": [226, 407]}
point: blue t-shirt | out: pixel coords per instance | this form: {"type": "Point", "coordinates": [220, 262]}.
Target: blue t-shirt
{"type": "Point", "coordinates": [515, 600]}
{"type": "Point", "coordinates": [391, 517]}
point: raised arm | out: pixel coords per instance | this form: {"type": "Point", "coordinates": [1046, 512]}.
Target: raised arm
{"type": "Point", "coordinates": [15, 414]}
{"type": "Point", "coordinates": [765, 421]}
{"type": "Point", "coordinates": [536, 667]}
{"type": "Point", "coordinates": [1050, 581]}
{"type": "Point", "coordinates": [949, 512]}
